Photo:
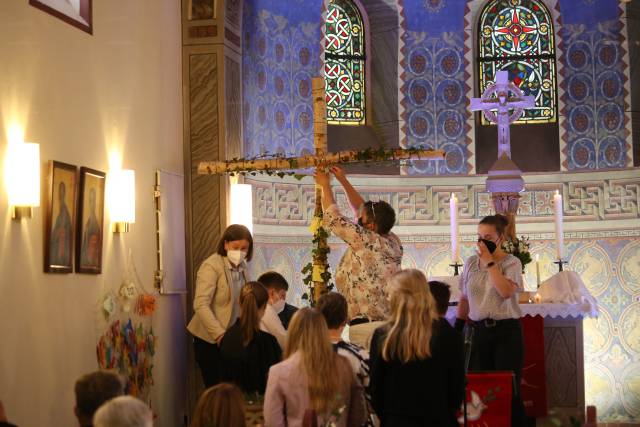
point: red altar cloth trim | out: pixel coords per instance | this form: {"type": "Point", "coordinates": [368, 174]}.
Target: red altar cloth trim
{"type": "Point", "coordinates": [533, 384]}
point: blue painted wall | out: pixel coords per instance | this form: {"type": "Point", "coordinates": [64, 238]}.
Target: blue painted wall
{"type": "Point", "coordinates": [282, 53]}
{"type": "Point", "coordinates": [434, 83]}
{"type": "Point", "coordinates": [594, 84]}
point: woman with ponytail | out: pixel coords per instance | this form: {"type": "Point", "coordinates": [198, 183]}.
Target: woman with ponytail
{"type": "Point", "coordinates": [489, 285]}
{"type": "Point", "coordinates": [247, 352]}
{"type": "Point", "coordinates": [313, 385]}
{"type": "Point", "coordinates": [417, 376]}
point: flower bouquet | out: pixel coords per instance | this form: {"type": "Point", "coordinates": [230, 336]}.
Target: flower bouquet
{"type": "Point", "coordinates": [520, 249]}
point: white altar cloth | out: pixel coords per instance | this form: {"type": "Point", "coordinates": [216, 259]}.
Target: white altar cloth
{"type": "Point", "coordinates": [563, 295]}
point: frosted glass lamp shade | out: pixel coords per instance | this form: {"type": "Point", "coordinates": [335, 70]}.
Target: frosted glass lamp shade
{"type": "Point", "coordinates": [22, 174]}
{"type": "Point", "coordinates": [122, 195]}
{"type": "Point", "coordinates": [241, 205]}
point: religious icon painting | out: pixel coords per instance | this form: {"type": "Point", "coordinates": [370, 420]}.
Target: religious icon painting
{"type": "Point", "coordinates": [90, 224]}
{"type": "Point", "coordinates": [202, 9]}
{"type": "Point", "coordinates": [76, 12]}
{"type": "Point", "coordinates": [59, 222]}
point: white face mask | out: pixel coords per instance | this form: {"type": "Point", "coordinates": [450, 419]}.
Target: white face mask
{"type": "Point", "coordinates": [278, 306]}
{"type": "Point", "coordinates": [236, 256]}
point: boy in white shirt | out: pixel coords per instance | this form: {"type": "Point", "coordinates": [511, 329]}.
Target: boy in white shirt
{"type": "Point", "coordinates": [272, 321]}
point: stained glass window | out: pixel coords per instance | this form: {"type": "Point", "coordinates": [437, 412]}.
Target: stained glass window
{"type": "Point", "coordinates": [517, 36]}
{"type": "Point", "coordinates": [344, 64]}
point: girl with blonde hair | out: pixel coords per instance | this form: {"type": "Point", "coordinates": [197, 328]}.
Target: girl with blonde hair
{"type": "Point", "coordinates": [313, 381]}
{"type": "Point", "coordinates": [248, 352]}
{"type": "Point", "coordinates": [417, 375]}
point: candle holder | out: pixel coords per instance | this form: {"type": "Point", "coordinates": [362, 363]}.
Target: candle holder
{"type": "Point", "coordinates": [456, 268]}
{"type": "Point", "coordinates": [560, 263]}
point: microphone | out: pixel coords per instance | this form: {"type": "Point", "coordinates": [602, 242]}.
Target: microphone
{"type": "Point", "coordinates": [468, 335]}
{"type": "Point", "coordinates": [468, 339]}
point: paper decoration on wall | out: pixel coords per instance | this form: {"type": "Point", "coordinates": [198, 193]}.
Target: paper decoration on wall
{"type": "Point", "coordinates": [132, 291]}
{"type": "Point", "coordinates": [127, 294]}
{"type": "Point", "coordinates": [130, 350]}
{"type": "Point", "coordinates": [145, 305]}
{"type": "Point", "coordinates": [108, 305]}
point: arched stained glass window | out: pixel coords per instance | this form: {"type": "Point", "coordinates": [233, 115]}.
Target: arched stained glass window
{"type": "Point", "coordinates": [517, 36]}
{"type": "Point", "coordinates": [344, 63]}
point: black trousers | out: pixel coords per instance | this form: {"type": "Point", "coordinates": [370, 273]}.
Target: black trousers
{"type": "Point", "coordinates": [208, 359]}
{"type": "Point", "coordinates": [501, 348]}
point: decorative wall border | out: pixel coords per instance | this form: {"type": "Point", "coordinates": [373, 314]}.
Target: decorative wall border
{"type": "Point", "coordinates": [297, 239]}
{"type": "Point", "coordinates": [402, 64]}
{"type": "Point", "coordinates": [626, 70]}
{"type": "Point", "coordinates": [470, 12]}
{"type": "Point", "coordinates": [323, 32]}
{"type": "Point", "coordinates": [594, 196]}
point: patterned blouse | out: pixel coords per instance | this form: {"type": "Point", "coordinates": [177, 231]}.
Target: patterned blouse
{"type": "Point", "coordinates": [358, 357]}
{"type": "Point", "coordinates": [484, 300]}
{"type": "Point", "coordinates": [369, 261]}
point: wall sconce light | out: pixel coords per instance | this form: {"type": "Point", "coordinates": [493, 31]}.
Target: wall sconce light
{"type": "Point", "coordinates": [22, 175]}
{"type": "Point", "coordinates": [122, 199]}
{"type": "Point", "coordinates": [241, 204]}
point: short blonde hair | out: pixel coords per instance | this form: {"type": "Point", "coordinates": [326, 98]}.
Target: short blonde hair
{"type": "Point", "coordinates": [413, 311]}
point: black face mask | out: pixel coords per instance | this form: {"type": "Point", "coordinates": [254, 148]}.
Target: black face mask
{"type": "Point", "coordinates": [489, 244]}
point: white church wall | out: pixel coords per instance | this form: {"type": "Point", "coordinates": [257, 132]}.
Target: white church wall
{"type": "Point", "coordinates": [85, 99]}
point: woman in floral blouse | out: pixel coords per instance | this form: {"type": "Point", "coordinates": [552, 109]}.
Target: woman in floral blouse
{"type": "Point", "coordinates": [374, 253]}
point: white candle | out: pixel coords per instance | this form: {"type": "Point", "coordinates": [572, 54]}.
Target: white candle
{"type": "Point", "coordinates": [557, 209]}
{"type": "Point", "coordinates": [538, 269]}
{"type": "Point", "coordinates": [455, 249]}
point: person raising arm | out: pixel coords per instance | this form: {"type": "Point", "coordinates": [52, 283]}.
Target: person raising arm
{"type": "Point", "coordinates": [373, 255]}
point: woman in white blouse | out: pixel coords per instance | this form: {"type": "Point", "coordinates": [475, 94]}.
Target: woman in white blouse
{"type": "Point", "coordinates": [490, 284]}
{"type": "Point", "coordinates": [216, 301]}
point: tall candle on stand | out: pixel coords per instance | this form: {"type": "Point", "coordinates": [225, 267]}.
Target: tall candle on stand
{"type": "Point", "coordinates": [538, 269]}
{"type": "Point", "coordinates": [453, 207]}
{"type": "Point", "coordinates": [557, 209]}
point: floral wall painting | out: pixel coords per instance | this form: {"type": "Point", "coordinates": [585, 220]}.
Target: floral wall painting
{"type": "Point", "coordinates": [60, 218]}
{"type": "Point", "coordinates": [75, 12]}
{"type": "Point", "coordinates": [90, 225]}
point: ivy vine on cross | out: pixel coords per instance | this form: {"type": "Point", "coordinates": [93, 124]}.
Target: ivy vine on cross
{"type": "Point", "coordinates": [317, 272]}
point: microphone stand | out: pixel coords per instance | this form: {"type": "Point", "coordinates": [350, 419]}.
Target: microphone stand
{"type": "Point", "coordinates": [468, 339]}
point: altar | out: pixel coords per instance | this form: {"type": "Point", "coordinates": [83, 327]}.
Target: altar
{"type": "Point", "coordinates": [553, 373]}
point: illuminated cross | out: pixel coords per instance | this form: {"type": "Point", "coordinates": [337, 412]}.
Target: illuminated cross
{"type": "Point", "coordinates": [322, 160]}
{"type": "Point", "coordinates": [496, 97]}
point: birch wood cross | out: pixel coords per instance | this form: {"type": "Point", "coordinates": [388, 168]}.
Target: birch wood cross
{"type": "Point", "coordinates": [322, 159]}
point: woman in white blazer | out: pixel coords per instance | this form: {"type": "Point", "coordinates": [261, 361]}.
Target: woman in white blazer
{"type": "Point", "coordinates": [216, 302]}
